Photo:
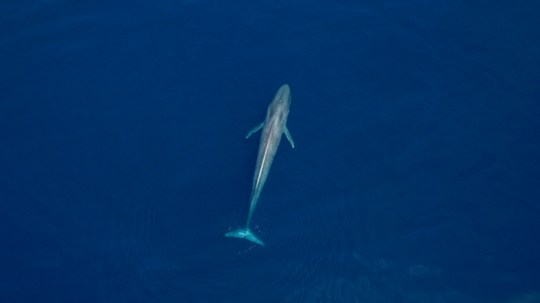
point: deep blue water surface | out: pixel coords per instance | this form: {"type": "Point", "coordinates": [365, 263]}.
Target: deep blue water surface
{"type": "Point", "coordinates": [415, 177]}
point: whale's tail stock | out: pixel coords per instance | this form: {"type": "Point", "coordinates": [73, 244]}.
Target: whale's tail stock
{"type": "Point", "coordinates": [245, 233]}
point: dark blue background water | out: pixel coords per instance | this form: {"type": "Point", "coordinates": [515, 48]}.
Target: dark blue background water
{"type": "Point", "coordinates": [416, 176]}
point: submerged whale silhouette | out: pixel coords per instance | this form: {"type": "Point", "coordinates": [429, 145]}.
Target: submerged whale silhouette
{"type": "Point", "coordinates": [274, 125]}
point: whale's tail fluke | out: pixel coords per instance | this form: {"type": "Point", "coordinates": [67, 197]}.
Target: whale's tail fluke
{"type": "Point", "coordinates": [245, 233]}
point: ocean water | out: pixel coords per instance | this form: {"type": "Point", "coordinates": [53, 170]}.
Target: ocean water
{"type": "Point", "coordinates": [415, 177]}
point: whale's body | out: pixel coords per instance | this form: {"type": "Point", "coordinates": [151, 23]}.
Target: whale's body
{"type": "Point", "coordinates": [273, 127]}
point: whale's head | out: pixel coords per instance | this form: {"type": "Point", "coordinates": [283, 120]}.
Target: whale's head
{"type": "Point", "coordinates": [282, 100]}
{"type": "Point", "coordinates": [278, 110]}
{"type": "Point", "coordinates": [283, 96]}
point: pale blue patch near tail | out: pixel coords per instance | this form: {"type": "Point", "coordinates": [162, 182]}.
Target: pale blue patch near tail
{"type": "Point", "coordinates": [244, 233]}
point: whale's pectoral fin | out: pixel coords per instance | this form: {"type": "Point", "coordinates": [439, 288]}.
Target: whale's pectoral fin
{"type": "Point", "coordinates": [255, 129]}
{"type": "Point", "coordinates": [289, 137]}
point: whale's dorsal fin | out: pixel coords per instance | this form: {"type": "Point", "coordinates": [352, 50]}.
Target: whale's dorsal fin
{"type": "Point", "coordinates": [289, 137]}
{"type": "Point", "coordinates": [255, 129]}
